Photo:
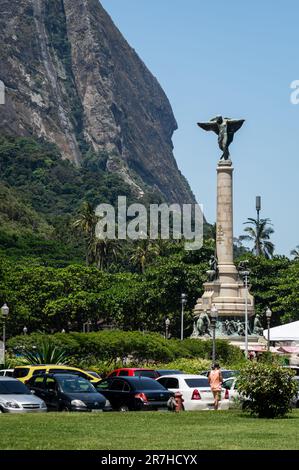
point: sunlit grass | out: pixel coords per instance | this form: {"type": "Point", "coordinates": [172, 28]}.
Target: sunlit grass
{"type": "Point", "coordinates": [149, 430]}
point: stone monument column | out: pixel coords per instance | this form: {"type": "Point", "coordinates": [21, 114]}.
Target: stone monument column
{"type": "Point", "coordinates": [224, 236]}
{"type": "Point", "coordinates": [224, 289]}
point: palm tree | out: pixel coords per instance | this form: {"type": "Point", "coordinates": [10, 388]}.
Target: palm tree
{"type": "Point", "coordinates": [103, 250]}
{"type": "Point", "coordinates": [86, 222]}
{"type": "Point", "coordinates": [46, 352]}
{"type": "Point", "coordinates": [295, 253]}
{"type": "Point", "coordinates": [144, 251]}
{"type": "Point", "coordinates": [259, 233]}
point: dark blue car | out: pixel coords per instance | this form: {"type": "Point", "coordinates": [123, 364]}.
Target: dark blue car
{"type": "Point", "coordinates": [135, 394]}
{"type": "Point", "coordinates": [67, 392]}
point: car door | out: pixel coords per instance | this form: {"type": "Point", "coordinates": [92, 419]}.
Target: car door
{"type": "Point", "coordinates": [171, 383]}
{"type": "Point", "coordinates": [51, 394]}
{"type": "Point", "coordinates": [37, 386]}
{"type": "Point", "coordinates": [230, 385]}
{"type": "Point", "coordinates": [119, 393]}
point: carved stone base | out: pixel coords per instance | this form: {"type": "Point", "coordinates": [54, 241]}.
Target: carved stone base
{"type": "Point", "coordinates": [231, 309]}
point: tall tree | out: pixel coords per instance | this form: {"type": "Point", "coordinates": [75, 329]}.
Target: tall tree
{"type": "Point", "coordinates": [144, 251]}
{"type": "Point", "coordinates": [295, 253]}
{"type": "Point", "coordinates": [105, 250]}
{"type": "Point", "coordinates": [259, 233]}
{"type": "Point", "coordinates": [86, 223]}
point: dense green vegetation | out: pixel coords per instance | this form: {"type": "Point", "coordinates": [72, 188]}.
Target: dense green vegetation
{"type": "Point", "coordinates": [46, 240]}
{"type": "Point", "coordinates": [223, 430]}
{"type": "Point", "coordinates": [40, 194]}
{"type": "Point", "coordinates": [51, 299]}
{"type": "Point", "coordinates": [117, 346]}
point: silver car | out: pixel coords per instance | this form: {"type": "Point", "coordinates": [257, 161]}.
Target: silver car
{"type": "Point", "coordinates": [15, 397]}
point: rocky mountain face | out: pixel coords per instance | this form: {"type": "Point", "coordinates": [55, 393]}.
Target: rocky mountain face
{"type": "Point", "coordinates": [72, 79]}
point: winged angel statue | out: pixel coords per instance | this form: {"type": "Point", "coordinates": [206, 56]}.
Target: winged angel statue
{"type": "Point", "coordinates": [225, 128]}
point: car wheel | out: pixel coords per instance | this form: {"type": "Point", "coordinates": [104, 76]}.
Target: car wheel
{"type": "Point", "coordinates": [65, 408]}
{"type": "Point", "coordinates": [123, 408]}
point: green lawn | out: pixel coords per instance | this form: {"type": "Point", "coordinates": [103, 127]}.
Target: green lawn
{"type": "Point", "coordinates": [150, 430]}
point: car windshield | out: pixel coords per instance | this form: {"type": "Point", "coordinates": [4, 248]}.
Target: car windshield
{"type": "Point", "coordinates": [226, 374]}
{"type": "Point", "coordinates": [168, 372]}
{"type": "Point", "coordinates": [20, 372]}
{"type": "Point", "coordinates": [146, 373]}
{"type": "Point", "coordinates": [75, 385]}
{"type": "Point", "coordinates": [193, 383]}
{"type": "Point", "coordinates": [94, 374]}
{"type": "Point", "coordinates": [11, 387]}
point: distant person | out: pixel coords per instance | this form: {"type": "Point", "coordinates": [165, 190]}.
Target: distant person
{"type": "Point", "coordinates": [251, 355]}
{"type": "Point", "coordinates": [215, 380]}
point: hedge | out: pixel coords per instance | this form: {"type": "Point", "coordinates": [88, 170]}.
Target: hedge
{"type": "Point", "coordinates": [114, 345]}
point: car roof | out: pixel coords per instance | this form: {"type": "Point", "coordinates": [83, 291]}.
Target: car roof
{"type": "Point", "coordinates": [133, 368]}
{"type": "Point", "coordinates": [75, 376]}
{"type": "Point", "coordinates": [6, 378]}
{"type": "Point", "coordinates": [6, 370]}
{"type": "Point", "coordinates": [131, 379]}
{"type": "Point", "coordinates": [183, 376]}
{"type": "Point", "coordinates": [57, 366]}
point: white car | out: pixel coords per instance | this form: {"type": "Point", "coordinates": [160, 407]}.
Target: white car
{"type": "Point", "coordinates": [6, 372]}
{"type": "Point", "coordinates": [196, 391]}
{"type": "Point", "coordinates": [231, 386]}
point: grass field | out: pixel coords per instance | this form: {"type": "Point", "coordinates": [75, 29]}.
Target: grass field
{"type": "Point", "coordinates": [148, 431]}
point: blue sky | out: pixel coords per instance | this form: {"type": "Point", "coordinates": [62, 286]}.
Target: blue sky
{"type": "Point", "coordinates": [237, 60]}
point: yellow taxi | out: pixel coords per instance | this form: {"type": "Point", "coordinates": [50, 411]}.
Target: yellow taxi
{"type": "Point", "coordinates": [24, 373]}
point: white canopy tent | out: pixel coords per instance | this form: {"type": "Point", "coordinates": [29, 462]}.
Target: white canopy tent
{"type": "Point", "coordinates": [288, 332]}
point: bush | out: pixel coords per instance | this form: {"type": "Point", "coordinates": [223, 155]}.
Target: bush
{"type": "Point", "coordinates": [225, 352]}
{"type": "Point", "coordinates": [189, 366]}
{"type": "Point", "coordinates": [108, 347]}
{"type": "Point", "coordinates": [268, 389]}
{"type": "Point", "coordinates": [101, 346]}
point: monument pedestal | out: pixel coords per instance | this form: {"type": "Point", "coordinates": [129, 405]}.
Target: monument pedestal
{"type": "Point", "coordinates": [226, 292]}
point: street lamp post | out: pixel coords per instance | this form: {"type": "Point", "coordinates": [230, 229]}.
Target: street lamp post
{"type": "Point", "coordinates": [245, 274]}
{"type": "Point", "coordinates": [258, 205]}
{"type": "Point", "coordinates": [214, 315]}
{"type": "Point", "coordinates": [268, 316]}
{"type": "Point", "coordinates": [4, 312]}
{"type": "Point", "coordinates": [183, 301]}
{"type": "Point", "coordinates": [25, 330]}
{"type": "Point", "coordinates": [167, 324]}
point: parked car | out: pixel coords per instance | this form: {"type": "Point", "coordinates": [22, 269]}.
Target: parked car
{"type": "Point", "coordinates": [226, 373]}
{"type": "Point", "coordinates": [134, 372]}
{"type": "Point", "coordinates": [135, 393]}
{"type": "Point", "coordinates": [231, 385]}
{"type": "Point", "coordinates": [196, 391]}
{"type": "Point", "coordinates": [24, 373]}
{"type": "Point", "coordinates": [66, 392]}
{"type": "Point", "coordinates": [6, 373]}
{"type": "Point", "coordinates": [168, 372]}
{"type": "Point", "coordinates": [15, 397]}
{"type": "Point", "coordinates": [94, 374]}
